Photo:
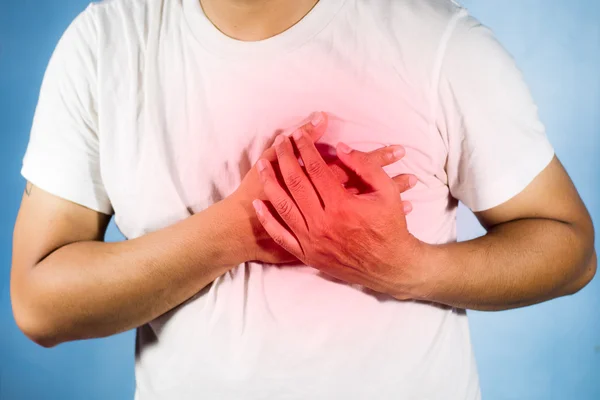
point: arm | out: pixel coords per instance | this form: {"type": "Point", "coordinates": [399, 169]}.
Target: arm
{"type": "Point", "coordinates": [539, 245]}
{"type": "Point", "coordinates": [540, 240]}
{"type": "Point", "coordinates": [67, 284]}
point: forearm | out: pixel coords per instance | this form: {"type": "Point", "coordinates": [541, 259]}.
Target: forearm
{"type": "Point", "coordinates": [515, 264]}
{"type": "Point", "coordinates": [95, 289]}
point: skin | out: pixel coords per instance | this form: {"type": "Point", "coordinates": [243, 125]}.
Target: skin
{"type": "Point", "coordinates": [253, 20]}
{"type": "Point", "coordinates": [67, 284]}
{"type": "Point", "coordinates": [539, 245]}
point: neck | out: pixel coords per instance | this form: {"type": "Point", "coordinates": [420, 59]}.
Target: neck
{"type": "Point", "coordinates": [253, 20]}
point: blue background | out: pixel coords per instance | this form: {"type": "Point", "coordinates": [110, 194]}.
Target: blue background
{"type": "Point", "coordinates": [549, 351]}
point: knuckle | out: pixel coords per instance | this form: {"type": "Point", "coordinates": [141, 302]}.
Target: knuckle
{"type": "Point", "coordinates": [278, 239]}
{"type": "Point", "coordinates": [284, 207]}
{"type": "Point", "coordinates": [314, 168]}
{"type": "Point", "coordinates": [294, 182]}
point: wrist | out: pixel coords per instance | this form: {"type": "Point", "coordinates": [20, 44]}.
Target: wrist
{"type": "Point", "coordinates": [421, 275]}
{"type": "Point", "coordinates": [238, 230]}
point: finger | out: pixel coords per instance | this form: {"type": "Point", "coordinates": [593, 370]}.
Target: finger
{"type": "Point", "coordinates": [295, 179]}
{"type": "Point", "coordinates": [372, 174]}
{"type": "Point", "coordinates": [386, 155]}
{"type": "Point", "coordinates": [283, 204]}
{"type": "Point", "coordinates": [276, 231]}
{"type": "Point", "coordinates": [405, 182]}
{"type": "Point", "coordinates": [383, 156]}
{"type": "Point", "coordinates": [324, 181]}
{"type": "Point", "coordinates": [315, 128]}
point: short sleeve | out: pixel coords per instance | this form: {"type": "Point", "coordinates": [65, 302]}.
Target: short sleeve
{"type": "Point", "coordinates": [496, 142]}
{"type": "Point", "coordinates": [62, 156]}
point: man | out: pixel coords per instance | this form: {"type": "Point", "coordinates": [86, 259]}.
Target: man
{"type": "Point", "coordinates": [155, 111]}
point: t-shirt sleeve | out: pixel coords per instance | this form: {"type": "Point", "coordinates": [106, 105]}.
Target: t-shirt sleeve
{"type": "Point", "coordinates": [63, 156]}
{"type": "Point", "coordinates": [496, 142]}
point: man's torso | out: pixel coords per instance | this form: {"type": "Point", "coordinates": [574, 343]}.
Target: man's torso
{"type": "Point", "coordinates": [184, 115]}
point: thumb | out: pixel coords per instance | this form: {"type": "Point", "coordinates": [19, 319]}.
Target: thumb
{"type": "Point", "coordinates": [369, 172]}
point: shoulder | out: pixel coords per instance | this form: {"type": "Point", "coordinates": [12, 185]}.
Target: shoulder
{"type": "Point", "coordinates": [132, 8]}
{"type": "Point", "coordinates": [421, 22]}
{"type": "Point", "coordinates": [416, 30]}
{"type": "Point", "coordinates": [412, 11]}
{"type": "Point", "coordinates": [124, 20]}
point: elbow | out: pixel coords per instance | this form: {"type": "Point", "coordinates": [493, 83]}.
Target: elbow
{"type": "Point", "coordinates": [586, 270]}
{"type": "Point", "coordinates": [586, 275]}
{"type": "Point", "coordinates": [43, 341]}
{"type": "Point", "coordinates": [29, 321]}
{"type": "Point", "coordinates": [35, 330]}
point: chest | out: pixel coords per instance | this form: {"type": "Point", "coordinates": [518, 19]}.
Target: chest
{"type": "Point", "coordinates": [184, 134]}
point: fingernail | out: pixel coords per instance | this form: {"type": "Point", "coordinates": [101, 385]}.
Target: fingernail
{"type": "Point", "coordinates": [412, 181]}
{"type": "Point", "coordinates": [262, 164]}
{"type": "Point", "coordinates": [317, 118]}
{"type": "Point", "coordinates": [407, 207]}
{"type": "Point", "coordinates": [257, 206]}
{"type": "Point", "coordinates": [344, 148]}
{"type": "Point", "coordinates": [278, 140]}
{"type": "Point", "coordinates": [399, 152]}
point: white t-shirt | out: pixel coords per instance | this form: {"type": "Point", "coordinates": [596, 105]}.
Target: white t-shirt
{"type": "Point", "coordinates": [150, 112]}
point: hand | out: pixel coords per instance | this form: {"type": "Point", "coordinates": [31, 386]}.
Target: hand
{"type": "Point", "coordinates": [260, 246]}
{"type": "Point", "coordinates": [360, 238]}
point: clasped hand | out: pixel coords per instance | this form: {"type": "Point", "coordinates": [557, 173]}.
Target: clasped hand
{"type": "Point", "coordinates": [359, 237]}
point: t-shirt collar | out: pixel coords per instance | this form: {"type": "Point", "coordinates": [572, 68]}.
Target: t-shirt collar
{"type": "Point", "coordinates": [223, 46]}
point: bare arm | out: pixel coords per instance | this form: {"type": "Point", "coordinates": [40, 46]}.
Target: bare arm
{"type": "Point", "coordinates": [539, 245]}
{"type": "Point", "coordinates": [67, 284]}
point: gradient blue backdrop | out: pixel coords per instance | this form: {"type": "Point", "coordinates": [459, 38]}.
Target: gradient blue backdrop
{"type": "Point", "coordinates": [545, 352]}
